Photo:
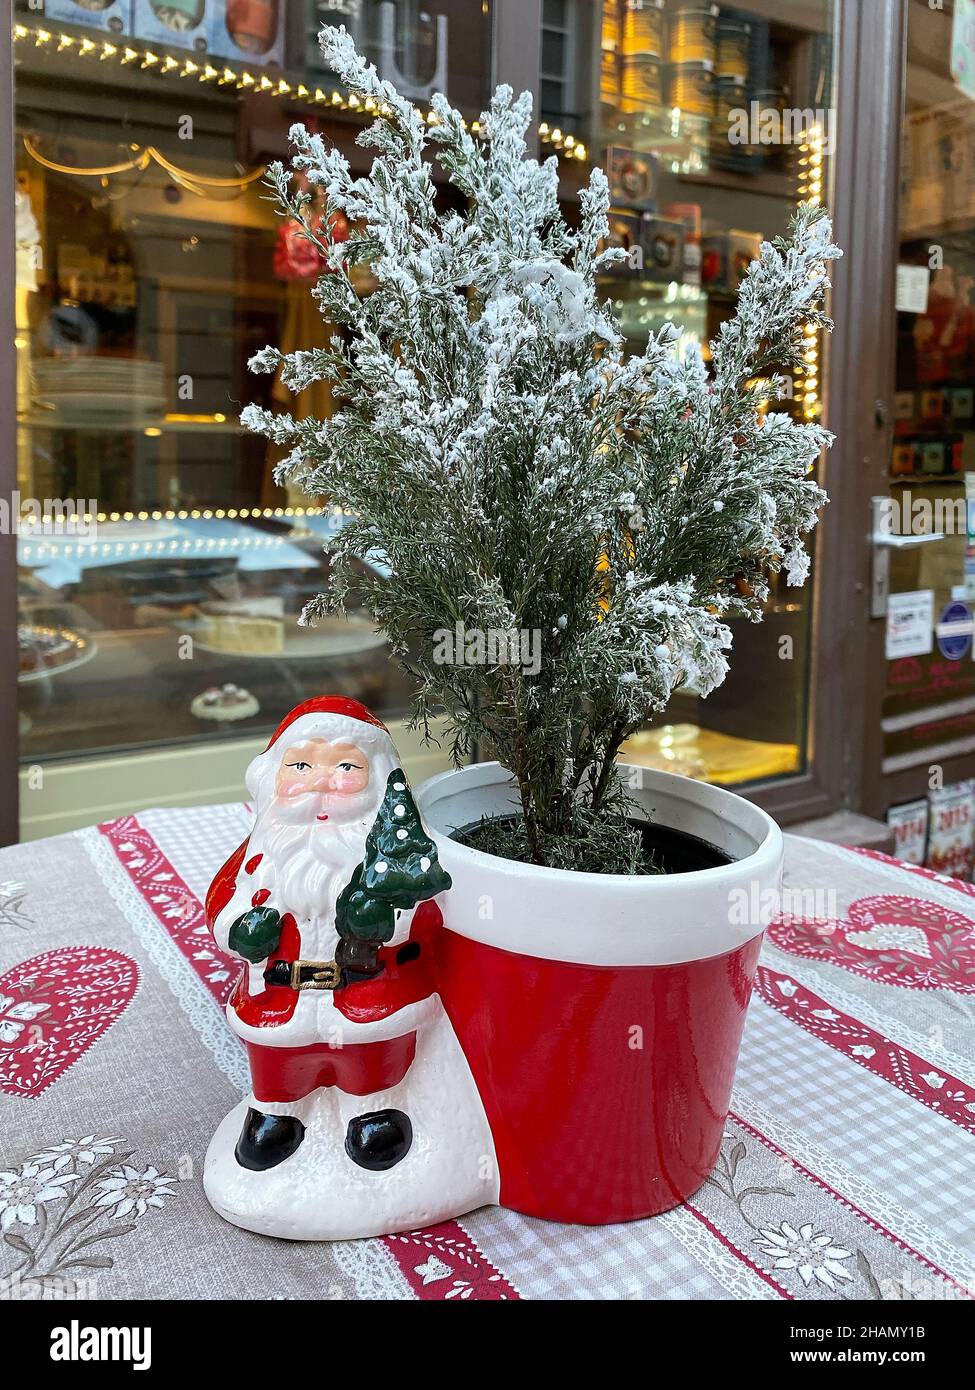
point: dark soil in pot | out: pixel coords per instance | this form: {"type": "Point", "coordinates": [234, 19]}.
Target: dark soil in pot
{"type": "Point", "coordinates": [666, 851]}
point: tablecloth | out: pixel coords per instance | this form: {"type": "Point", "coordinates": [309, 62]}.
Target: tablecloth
{"type": "Point", "coordinates": [847, 1168]}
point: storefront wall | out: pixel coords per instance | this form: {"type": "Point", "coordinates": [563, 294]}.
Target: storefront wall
{"type": "Point", "coordinates": [156, 652]}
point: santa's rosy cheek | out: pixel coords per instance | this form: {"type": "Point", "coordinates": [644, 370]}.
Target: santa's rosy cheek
{"type": "Point", "coordinates": [291, 786]}
{"type": "Point", "coordinates": [348, 782]}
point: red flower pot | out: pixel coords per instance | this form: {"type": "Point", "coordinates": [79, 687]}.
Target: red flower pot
{"type": "Point", "coordinates": [601, 1015]}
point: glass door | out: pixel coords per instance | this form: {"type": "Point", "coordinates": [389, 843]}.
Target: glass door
{"type": "Point", "coordinates": [924, 518]}
{"type": "Point", "coordinates": [712, 122]}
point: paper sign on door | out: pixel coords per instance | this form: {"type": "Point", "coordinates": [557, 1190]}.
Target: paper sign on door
{"type": "Point", "coordinates": [910, 624]}
{"type": "Point", "coordinates": [912, 289]}
{"type": "Point", "coordinates": [963, 46]}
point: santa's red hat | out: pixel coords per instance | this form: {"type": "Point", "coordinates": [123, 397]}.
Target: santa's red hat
{"type": "Point", "coordinates": [327, 704]}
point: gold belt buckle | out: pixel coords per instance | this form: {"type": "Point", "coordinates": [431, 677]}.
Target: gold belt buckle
{"type": "Point", "coordinates": [325, 974]}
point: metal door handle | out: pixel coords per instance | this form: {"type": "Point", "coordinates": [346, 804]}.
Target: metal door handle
{"type": "Point", "coordinates": [892, 542]}
{"type": "Point", "coordinates": [882, 542]}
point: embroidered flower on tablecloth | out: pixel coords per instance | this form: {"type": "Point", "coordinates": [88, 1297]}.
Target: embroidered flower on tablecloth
{"type": "Point", "coordinates": [809, 1252]}
{"type": "Point", "coordinates": [892, 936]}
{"type": "Point", "coordinates": [432, 1269]}
{"type": "Point", "coordinates": [901, 940]}
{"type": "Point", "coordinates": [54, 1007]}
{"type": "Point", "coordinates": [54, 1247]}
{"type": "Point", "coordinates": [450, 1254]}
{"type": "Point", "coordinates": [23, 1192]}
{"type": "Point", "coordinates": [85, 1150]}
{"type": "Point", "coordinates": [12, 912]}
{"type": "Point", "coordinates": [14, 1017]}
{"type": "Point", "coordinates": [464, 1289]}
{"type": "Point", "coordinates": [132, 1192]}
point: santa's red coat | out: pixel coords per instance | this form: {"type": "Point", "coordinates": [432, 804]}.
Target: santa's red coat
{"type": "Point", "coordinates": [290, 1073]}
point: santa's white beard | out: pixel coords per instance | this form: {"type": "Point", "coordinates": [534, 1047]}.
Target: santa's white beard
{"type": "Point", "coordinates": [306, 862]}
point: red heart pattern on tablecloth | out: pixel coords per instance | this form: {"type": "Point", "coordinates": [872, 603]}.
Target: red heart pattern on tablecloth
{"type": "Point", "coordinates": [891, 937]}
{"type": "Point", "coordinates": [54, 1007]}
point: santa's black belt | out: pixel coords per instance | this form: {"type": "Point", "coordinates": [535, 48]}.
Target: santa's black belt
{"type": "Point", "coordinates": [304, 974]}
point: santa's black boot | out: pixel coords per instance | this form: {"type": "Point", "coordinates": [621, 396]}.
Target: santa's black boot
{"type": "Point", "coordinates": [379, 1140]}
{"type": "Point", "coordinates": [267, 1140]}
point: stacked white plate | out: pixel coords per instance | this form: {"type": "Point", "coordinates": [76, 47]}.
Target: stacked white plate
{"type": "Point", "coordinates": [100, 386]}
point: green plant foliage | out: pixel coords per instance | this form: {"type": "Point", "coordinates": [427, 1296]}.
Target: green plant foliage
{"type": "Point", "coordinates": [515, 472]}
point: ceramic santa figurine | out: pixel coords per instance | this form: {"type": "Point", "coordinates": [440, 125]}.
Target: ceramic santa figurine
{"type": "Point", "coordinates": [363, 1116]}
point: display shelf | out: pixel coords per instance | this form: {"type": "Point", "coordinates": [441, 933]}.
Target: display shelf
{"type": "Point", "coordinates": [327, 640]}
{"type": "Point", "coordinates": [766, 183]}
{"type": "Point", "coordinates": [709, 755]}
{"type": "Point", "coordinates": [678, 138]}
{"type": "Point", "coordinates": [102, 706]}
{"type": "Point", "coordinates": [59, 420]}
{"type": "Point", "coordinates": [927, 480]}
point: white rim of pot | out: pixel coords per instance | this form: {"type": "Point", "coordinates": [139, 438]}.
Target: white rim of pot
{"type": "Point", "coordinates": [610, 919]}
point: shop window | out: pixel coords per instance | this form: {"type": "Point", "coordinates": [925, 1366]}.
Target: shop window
{"type": "Point", "coordinates": [150, 266]}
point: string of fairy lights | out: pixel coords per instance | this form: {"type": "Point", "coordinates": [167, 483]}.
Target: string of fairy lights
{"type": "Point", "coordinates": [76, 535]}
{"type": "Point", "coordinates": [167, 65]}
{"type": "Point", "coordinates": [811, 154]}
{"type": "Point", "coordinates": [32, 525]}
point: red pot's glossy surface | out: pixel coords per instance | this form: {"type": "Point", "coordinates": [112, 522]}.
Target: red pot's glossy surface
{"type": "Point", "coordinates": [601, 1014]}
{"type": "Point", "coordinates": [606, 1087]}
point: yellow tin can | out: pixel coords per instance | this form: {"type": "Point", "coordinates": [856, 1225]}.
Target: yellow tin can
{"type": "Point", "coordinates": [692, 88]}
{"type": "Point", "coordinates": [734, 49]}
{"type": "Point", "coordinates": [612, 29]}
{"type": "Point", "coordinates": [731, 96]}
{"type": "Point", "coordinates": [609, 78]}
{"type": "Point", "coordinates": [642, 83]}
{"type": "Point", "coordinates": [694, 35]}
{"type": "Point", "coordinates": [643, 28]}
